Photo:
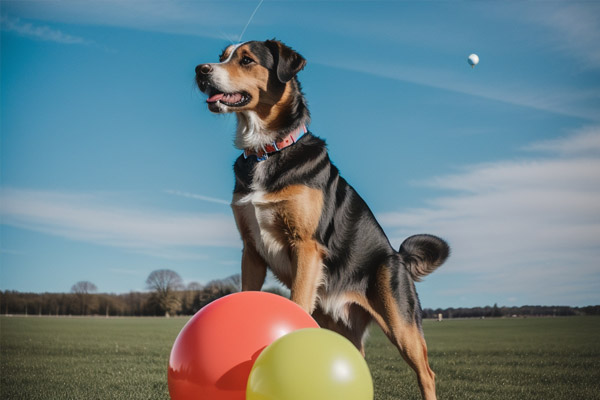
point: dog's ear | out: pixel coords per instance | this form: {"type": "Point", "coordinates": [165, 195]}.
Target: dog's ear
{"type": "Point", "coordinates": [288, 62]}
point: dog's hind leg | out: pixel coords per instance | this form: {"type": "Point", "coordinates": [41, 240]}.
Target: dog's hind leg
{"type": "Point", "coordinates": [409, 340]}
{"type": "Point", "coordinates": [403, 329]}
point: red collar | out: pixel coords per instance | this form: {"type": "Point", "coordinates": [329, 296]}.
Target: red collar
{"type": "Point", "coordinates": [274, 147]}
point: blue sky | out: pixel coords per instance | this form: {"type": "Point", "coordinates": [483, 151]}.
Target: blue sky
{"type": "Point", "coordinates": [112, 166]}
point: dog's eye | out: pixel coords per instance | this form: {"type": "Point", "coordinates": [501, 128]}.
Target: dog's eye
{"type": "Point", "coordinates": [246, 61]}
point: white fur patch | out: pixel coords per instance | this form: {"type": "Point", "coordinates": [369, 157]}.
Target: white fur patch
{"type": "Point", "coordinates": [221, 80]}
{"type": "Point", "coordinates": [335, 305]}
{"type": "Point", "coordinates": [235, 47]}
{"type": "Point", "coordinates": [252, 133]}
{"type": "Point", "coordinates": [260, 219]}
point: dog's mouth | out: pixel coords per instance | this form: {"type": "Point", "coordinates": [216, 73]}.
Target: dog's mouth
{"type": "Point", "coordinates": [239, 99]}
{"type": "Point", "coordinates": [217, 99]}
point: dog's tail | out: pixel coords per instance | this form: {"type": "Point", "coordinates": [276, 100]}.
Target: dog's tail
{"type": "Point", "coordinates": [422, 254]}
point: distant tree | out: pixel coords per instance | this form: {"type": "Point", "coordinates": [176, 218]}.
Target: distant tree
{"type": "Point", "coordinates": [110, 304]}
{"type": "Point", "coordinates": [135, 303]}
{"type": "Point", "coordinates": [234, 282]}
{"type": "Point", "coordinates": [496, 311]}
{"type": "Point", "coordinates": [219, 288]}
{"type": "Point", "coordinates": [164, 284]}
{"type": "Point", "coordinates": [591, 310]}
{"type": "Point", "coordinates": [191, 298]}
{"type": "Point", "coordinates": [231, 284]}
{"type": "Point", "coordinates": [194, 287]}
{"type": "Point", "coordinates": [83, 291]}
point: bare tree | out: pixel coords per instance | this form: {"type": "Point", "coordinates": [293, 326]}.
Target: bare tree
{"type": "Point", "coordinates": [83, 291]}
{"type": "Point", "coordinates": [194, 287]}
{"type": "Point", "coordinates": [234, 282]}
{"type": "Point", "coordinates": [164, 283]}
{"type": "Point", "coordinates": [192, 298]}
{"type": "Point", "coordinates": [219, 288]}
{"type": "Point", "coordinates": [230, 284]}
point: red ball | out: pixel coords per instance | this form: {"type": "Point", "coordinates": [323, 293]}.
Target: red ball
{"type": "Point", "coordinates": [212, 356]}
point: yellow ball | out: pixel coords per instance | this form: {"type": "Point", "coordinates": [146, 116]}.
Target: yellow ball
{"type": "Point", "coordinates": [315, 364]}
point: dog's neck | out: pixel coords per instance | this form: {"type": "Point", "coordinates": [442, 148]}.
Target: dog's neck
{"type": "Point", "coordinates": [275, 147]}
{"type": "Point", "coordinates": [255, 131]}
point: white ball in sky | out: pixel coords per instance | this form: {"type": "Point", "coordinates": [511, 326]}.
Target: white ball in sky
{"type": "Point", "coordinates": [473, 60]}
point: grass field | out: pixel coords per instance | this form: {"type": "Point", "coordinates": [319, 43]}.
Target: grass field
{"type": "Point", "coordinates": [126, 358]}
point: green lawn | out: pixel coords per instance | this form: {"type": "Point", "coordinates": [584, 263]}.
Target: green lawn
{"type": "Point", "coordinates": [500, 359]}
{"type": "Point", "coordinates": [126, 358]}
{"type": "Point", "coordinates": [86, 358]}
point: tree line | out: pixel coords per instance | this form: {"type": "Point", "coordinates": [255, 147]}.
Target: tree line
{"type": "Point", "coordinates": [166, 295]}
{"type": "Point", "coordinates": [521, 311]}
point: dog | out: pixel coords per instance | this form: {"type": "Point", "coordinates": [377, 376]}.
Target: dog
{"type": "Point", "coordinates": [297, 216]}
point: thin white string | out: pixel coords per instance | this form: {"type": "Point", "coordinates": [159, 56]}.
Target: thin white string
{"type": "Point", "coordinates": [250, 20]}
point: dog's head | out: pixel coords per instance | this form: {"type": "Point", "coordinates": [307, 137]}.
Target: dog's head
{"type": "Point", "coordinates": [249, 76]}
{"type": "Point", "coordinates": [257, 81]}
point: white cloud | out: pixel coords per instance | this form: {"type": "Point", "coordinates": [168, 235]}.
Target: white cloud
{"type": "Point", "coordinates": [207, 19]}
{"type": "Point", "coordinates": [585, 141]}
{"type": "Point", "coordinates": [198, 197]}
{"type": "Point", "coordinates": [575, 29]}
{"type": "Point", "coordinates": [564, 175]}
{"type": "Point", "coordinates": [555, 99]}
{"type": "Point", "coordinates": [530, 226]}
{"type": "Point", "coordinates": [89, 218]}
{"type": "Point", "coordinates": [39, 32]}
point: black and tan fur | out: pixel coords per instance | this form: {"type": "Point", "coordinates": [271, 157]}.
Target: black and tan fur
{"type": "Point", "coordinates": [300, 218]}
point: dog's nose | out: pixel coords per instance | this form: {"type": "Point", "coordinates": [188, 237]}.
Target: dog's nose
{"type": "Point", "coordinates": [203, 69]}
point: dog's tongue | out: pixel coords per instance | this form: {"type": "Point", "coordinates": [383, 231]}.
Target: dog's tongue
{"type": "Point", "coordinates": [232, 98]}
{"type": "Point", "coordinates": [215, 98]}
{"type": "Point", "coordinates": [229, 98]}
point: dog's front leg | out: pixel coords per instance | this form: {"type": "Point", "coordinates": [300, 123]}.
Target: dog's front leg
{"type": "Point", "coordinates": [308, 274]}
{"type": "Point", "coordinates": [254, 269]}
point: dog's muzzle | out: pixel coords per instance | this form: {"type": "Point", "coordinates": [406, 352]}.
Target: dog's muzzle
{"type": "Point", "coordinates": [219, 100]}
{"type": "Point", "coordinates": [203, 74]}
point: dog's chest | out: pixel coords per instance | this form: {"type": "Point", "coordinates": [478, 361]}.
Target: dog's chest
{"type": "Point", "coordinates": [275, 222]}
{"type": "Point", "coordinates": [261, 222]}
